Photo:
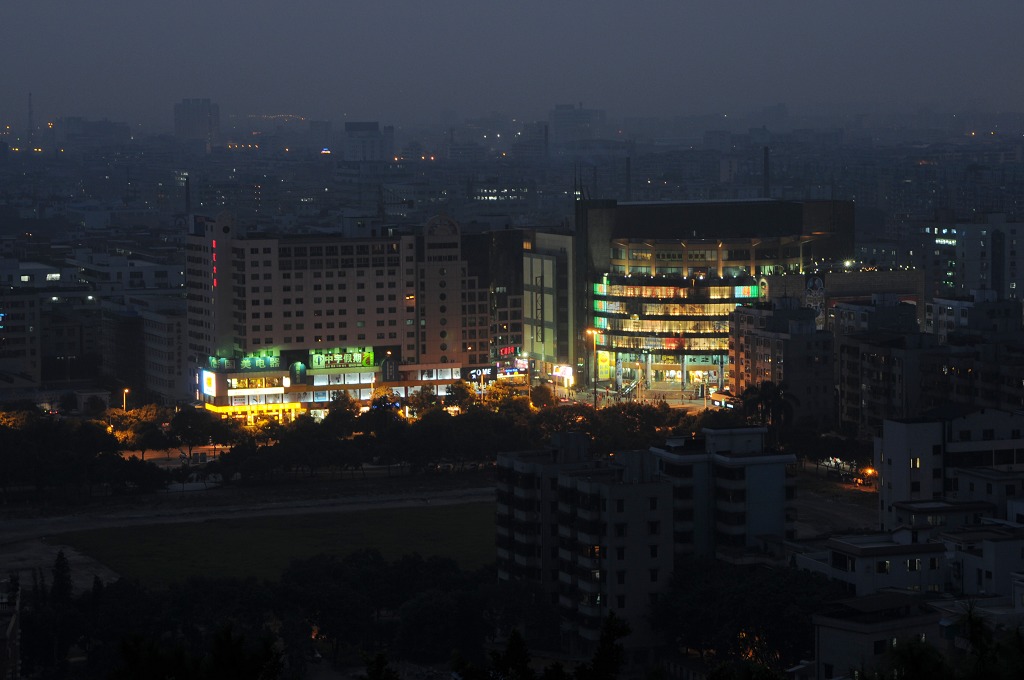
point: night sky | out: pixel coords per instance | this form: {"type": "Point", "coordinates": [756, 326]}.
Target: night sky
{"type": "Point", "coordinates": [408, 61]}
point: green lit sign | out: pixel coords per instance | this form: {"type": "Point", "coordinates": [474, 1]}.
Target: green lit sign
{"type": "Point", "coordinates": [257, 361]}
{"type": "Point", "coordinates": [341, 357]}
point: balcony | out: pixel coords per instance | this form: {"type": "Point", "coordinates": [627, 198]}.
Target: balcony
{"type": "Point", "coordinates": [526, 515]}
{"type": "Point", "coordinates": [526, 561]}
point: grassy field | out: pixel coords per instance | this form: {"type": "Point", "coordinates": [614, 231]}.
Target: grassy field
{"type": "Point", "coordinates": [263, 547]}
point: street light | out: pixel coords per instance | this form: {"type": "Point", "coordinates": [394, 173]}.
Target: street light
{"type": "Point", "coordinates": [592, 332]}
{"type": "Point", "coordinates": [124, 400]}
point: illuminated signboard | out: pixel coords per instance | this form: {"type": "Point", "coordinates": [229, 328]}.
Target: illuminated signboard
{"type": "Point", "coordinates": [209, 384]}
{"type": "Point", "coordinates": [341, 357]}
{"type": "Point", "coordinates": [562, 371]}
{"type": "Point", "coordinates": [745, 291]}
{"type": "Point", "coordinates": [256, 363]}
{"type": "Point", "coordinates": [481, 374]}
{"type": "Point", "coordinates": [261, 361]}
{"type": "Point", "coordinates": [507, 351]}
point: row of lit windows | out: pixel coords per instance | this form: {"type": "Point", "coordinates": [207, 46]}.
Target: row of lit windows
{"type": "Point", "coordinates": [688, 343]}
{"type": "Point", "coordinates": [739, 293]}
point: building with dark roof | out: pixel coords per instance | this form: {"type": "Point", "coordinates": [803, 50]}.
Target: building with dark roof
{"type": "Point", "coordinates": [660, 280]}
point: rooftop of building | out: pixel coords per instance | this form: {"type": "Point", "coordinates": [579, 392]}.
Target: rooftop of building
{"type": "Point", "coordinates": [992, 474]}
{"type": "Point", "coordinates": [722, 218]}
{"type": "Point", "coordinates": [978, 533]}
{"type": "Point", "coordinates": [937, 507]}
{"type": "Point", "coordinates": [877, 544]}
{"type": "Point", "coordinates": [880, 607]}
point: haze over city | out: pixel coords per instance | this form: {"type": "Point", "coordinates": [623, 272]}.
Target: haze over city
{"type": "Point", "coordinates": [409, 61]}
{"type": "Point", "coordinates": [512, 341]}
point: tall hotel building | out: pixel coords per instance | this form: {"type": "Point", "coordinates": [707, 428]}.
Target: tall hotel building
{"type": "Point", "coordinates": [280, 325]}
{"type": "Point", "coordinates": [665, 277]}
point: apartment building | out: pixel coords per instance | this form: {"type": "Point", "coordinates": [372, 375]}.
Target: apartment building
{"type": "Point", "coordinates": [596, 535]}
{"type": "Point", "coordinates": [279, 324]}
{"type": "Point", "coordinates": [984, 560]}
{"type": "Point", "coordinates": [922, 459]}
{"type": "Point", "coordinates": [732, 496]}
{"type": "Point", "coordinates": [856, 635]}
{"type": "Point", "coordinates": [870, 563]}
{"type": "Point", "coordinates": [879, 377]}
{"type": "Point", "coordinates": [779, 342]}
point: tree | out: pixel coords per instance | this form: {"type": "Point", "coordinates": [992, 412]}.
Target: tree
{"type": "Point", "coordinates": [541, 396]}
{"type": "Point", "coordinates": [514, 662]}
{"type": "Point", "coordinates": [192, 427]}
{"type": "Point", "coordinates": [61, 588]}
{"type": "Point", "coordinates": [772, 405]}
{"type": "Point", "coordinates": [565, 417]}
{"type": "Point", "coordinates": [146, 435]}
{"type": "Point", "coordinates": [423, 401]}
{"type": "Point", "coordinates": [609, 655]}
{"type": "Point", "coordinates": [629, 425]}
{"type": "Point", "coordinates": [461, 395]}
{"type": "Point", "coordinates": [265, 430]}
{"type": "Point", "coordinates": [918, 660]}
{"type": "Point", "coordinates": [93, 407]}
{"type": "Point", "coordinates": [378, 668]}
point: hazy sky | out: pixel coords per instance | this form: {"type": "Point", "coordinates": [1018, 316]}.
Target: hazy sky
{"type": "Point", "coordinates": [408, 60]}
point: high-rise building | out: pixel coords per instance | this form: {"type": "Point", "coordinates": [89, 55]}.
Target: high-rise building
{"type": "Point", "coordinates": [197, 120]}
{"type": "Point", "coordinates": [602, 536]}
{"type": "Point", "coordinates": [278, 324]}
{"type": "Point", "coordinates": [596, 536]}
{"type": "Point", "coordinates": [659, 281]}
{"type": "Point", "coordinates": [368, 142]}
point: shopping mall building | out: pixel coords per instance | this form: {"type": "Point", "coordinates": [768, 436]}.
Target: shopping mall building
{"type": "Point", "coordinates": [665, 278]}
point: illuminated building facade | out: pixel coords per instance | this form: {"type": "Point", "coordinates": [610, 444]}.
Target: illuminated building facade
{"type": "Point", "coordinates": [664, 278]}
{"type": "Point", "coordinates": [279, 325]}
{"type": "Point", "coordinates": [666, 329]}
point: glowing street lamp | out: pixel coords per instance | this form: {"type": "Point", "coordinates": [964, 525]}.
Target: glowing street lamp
{"type": "Point", "coordinates": [124, 400]}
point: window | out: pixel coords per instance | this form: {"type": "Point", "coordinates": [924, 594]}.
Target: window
{"type": "Point", "coordinates": [654, 551]}
{"type": "Point", "coordinates": [654, 575]}
{"type": "Point", "coordinates": [653, 502]}
{"type": "Point", "coordinates": [882, 567]}
{"type": "Point", "coordinates": [620, 553]}
{"type": "Point", "coordinates": [914, 565]}
{"type": "Point", "coordinates": [620, 505]}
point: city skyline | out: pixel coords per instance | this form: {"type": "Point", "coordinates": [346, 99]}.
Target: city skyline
{"type": "Point", "coordinates": [411, 63]}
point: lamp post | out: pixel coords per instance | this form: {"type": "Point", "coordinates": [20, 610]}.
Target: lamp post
{"type": "Point", "coordinates": [124, 400]}
{"type": "Point", "coordinates": [592, 332]}
{"type": "Point", "coordinates": [639, 382]}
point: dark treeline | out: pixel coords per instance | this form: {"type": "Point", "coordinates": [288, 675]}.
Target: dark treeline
{"type": "Point", "coordinates": [342, 611]}
{"type": "Point", "coordinates": [48, 457]}
{"type": "Point", "coordinates": [345, 611]}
